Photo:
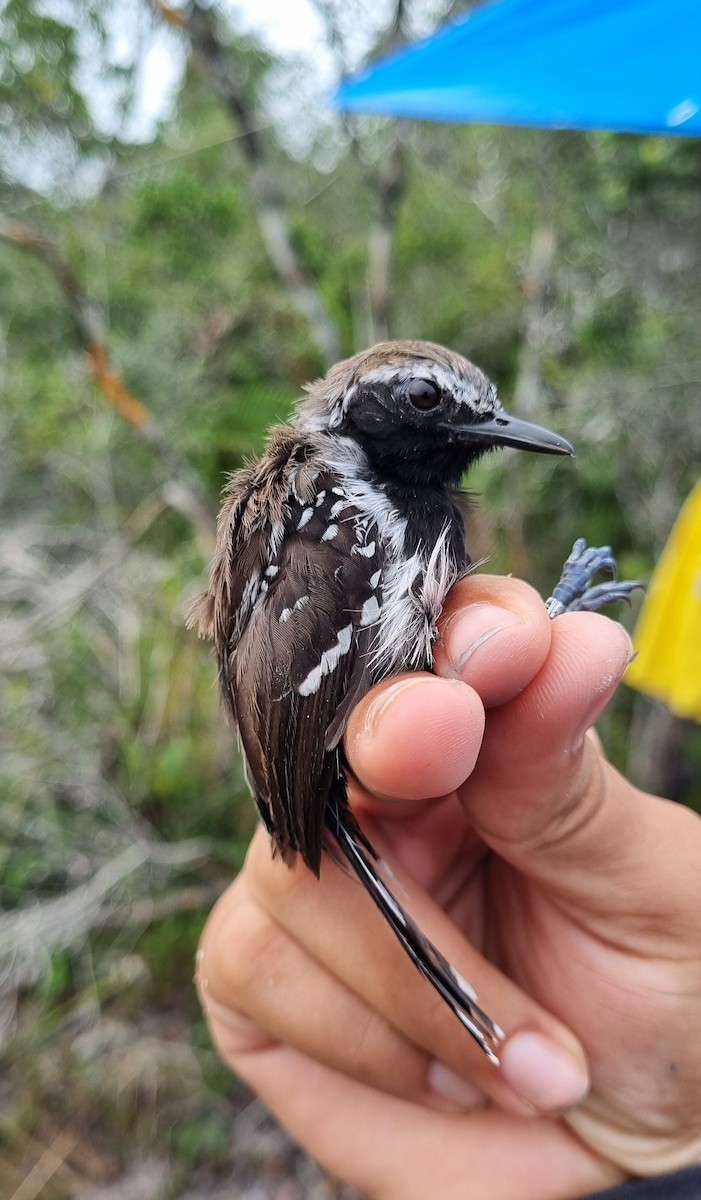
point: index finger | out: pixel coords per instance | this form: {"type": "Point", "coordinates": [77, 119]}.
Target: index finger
{"type": "Point", "coordinates": [418, 736]}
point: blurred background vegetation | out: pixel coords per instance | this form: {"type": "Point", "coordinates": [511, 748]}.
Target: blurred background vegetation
{"type": "Point", "coordinates": [171, 272]}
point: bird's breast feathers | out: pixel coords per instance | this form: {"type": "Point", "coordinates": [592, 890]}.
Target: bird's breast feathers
{"type": "Point", "coordinates": [314, 565]}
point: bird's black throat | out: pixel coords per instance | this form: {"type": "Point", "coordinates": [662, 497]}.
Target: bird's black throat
{"type": "Point", "coordinates": [428, 510]}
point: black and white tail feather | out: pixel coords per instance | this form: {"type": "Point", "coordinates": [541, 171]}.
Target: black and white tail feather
{"type": "Point", "coordinates": [335, 553]}
{"type": "Point", "coordinates": [457, 993]}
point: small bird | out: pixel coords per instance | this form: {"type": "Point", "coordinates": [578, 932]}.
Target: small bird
{"type": "Point", "coordinates": [335, 553]}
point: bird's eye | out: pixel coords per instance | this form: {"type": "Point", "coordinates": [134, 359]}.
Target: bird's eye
{"type": "Point", "coordinates": [423, 395]}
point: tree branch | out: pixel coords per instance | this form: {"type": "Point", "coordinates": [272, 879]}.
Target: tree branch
{"type": "Point", "coordinates": [389, 187]}
{"type": "Point", "coordinates": [387, 183]}
{"type": "Point", "coordinates": [212, 59]}
{"type": "Point", "coordinates": [92, 337]}
{"type": "Point", "coordinates": [535, 286]}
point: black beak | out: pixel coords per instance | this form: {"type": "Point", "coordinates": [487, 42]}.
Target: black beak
{"type": "Point", "coordinates": [504, 430]}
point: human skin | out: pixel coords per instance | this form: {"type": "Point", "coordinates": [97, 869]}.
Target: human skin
{"type": "Point", "coordinates": [568, 898]}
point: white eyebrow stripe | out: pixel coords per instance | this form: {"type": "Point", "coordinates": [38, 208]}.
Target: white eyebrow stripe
{"type": "Point", "coordinates": [462, 390]}
{"type": "Point", "coordinates": [393, 374]}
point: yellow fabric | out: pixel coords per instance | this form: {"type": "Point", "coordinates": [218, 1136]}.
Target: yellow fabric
{"type": "Point", "coordinates": [668, 635]}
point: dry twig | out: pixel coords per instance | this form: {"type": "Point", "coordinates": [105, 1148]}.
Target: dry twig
{"type": "Point", "coordinates": [28, 936]}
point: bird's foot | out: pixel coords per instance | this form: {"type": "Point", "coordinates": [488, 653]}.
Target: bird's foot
{"type": "Point", "coordinates": [575, 593]}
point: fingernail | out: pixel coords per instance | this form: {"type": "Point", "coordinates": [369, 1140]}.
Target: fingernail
{"type": "Point", "coordinates": [543, 1073]}
{"type": "Point", "coordinates": [465, 633]}
{"type": "Point", "coordinates": [449, 1086]}
{"type": "Point", "coordinates": [386, 699]}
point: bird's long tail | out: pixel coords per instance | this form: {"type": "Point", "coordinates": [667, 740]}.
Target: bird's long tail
{"type": "Point", "coordinates": [451, 987]}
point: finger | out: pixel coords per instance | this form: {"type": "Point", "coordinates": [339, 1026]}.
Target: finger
{"type": "Point", "coordinates": [549, 785]}
{"type": "Point", "coordinates": [415, 737]}
{"type": "Point", "coordinates": [418, 737]}
{"type": "Point", "coordinates": [565, 817]}
{"type": "Point", "coordinates": [543, 1068]}
{"type": "Point", "coordinates": [272, 990]}
{"type": "Point", "coordinates": [391, 1149]}
{"type": "Point", "coordinates": [494, 635]}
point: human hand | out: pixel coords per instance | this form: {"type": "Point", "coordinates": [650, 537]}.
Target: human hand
{"type": "Point", "coordinates": [568, 899]}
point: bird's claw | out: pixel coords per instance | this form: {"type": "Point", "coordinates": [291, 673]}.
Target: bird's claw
{"type": "Point", "coordinates": [574, 591]}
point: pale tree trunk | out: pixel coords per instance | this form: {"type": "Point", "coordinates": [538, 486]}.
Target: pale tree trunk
{"type": "Point", "coordinates": [389, 187]}
{"type": "Point", "coordinates": [529, 378]}
{"type": "Point", "coordinates": [211, 56]}
{"type": "Point", "coordinates": [386, 184]}
{"type": "Point", "coordinates": [535, 283]}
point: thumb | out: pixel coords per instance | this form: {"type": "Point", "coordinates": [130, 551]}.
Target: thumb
{"type": "Point", "coordinates": [540, 795]}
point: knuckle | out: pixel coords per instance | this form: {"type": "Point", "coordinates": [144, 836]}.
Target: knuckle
{"type": "Point", "coordinates": [239, 942]}
{"type": "Point", "coordinates": [501, 590]}
{"type": "Point", "coordinates": [274, 880]}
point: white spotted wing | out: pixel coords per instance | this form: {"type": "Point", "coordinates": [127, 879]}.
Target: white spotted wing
{"type": "Point", "coordinates": [300, 661]}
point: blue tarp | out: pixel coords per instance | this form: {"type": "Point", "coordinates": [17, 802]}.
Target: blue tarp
{"type": "Point", "coordinates": [627, 65]}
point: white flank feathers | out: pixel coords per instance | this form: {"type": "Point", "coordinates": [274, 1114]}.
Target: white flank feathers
{"type": "Point", "coordinates": [414, 588]}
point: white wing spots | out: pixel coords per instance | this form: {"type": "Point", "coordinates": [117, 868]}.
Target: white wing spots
{"type": "Point", "coordinates": [330, 533]}
{"type": "Point", "coordinates": [250, 592]}
{"type": "Point", "coordinates": [367, 550]}
{"type": "Point", "coordinates": [375, 579]}
{"type": "Point", "coordinates": [321, 497]}
{"type": "Point", "coordinates": [305, 517]}
{"type": "Point", "coordinates": [338, 507]}
{"type": "Point", "coordinates": [370, 612]}
{"type": "Point", "coordinates": [287, 612]}
{"type": "Point", "coordinates": [329, 659]}
{"type": "Point", "coordinates": [277, 534]}
{"type": "Point", "coordinates": [271, 572]}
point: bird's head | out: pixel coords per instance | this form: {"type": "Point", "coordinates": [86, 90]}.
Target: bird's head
{"type": "Point", "coordinates": [421, 413]}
